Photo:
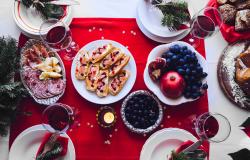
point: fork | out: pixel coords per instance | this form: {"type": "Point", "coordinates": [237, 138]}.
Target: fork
{"type": "Point", "coordinates": [49, 145]}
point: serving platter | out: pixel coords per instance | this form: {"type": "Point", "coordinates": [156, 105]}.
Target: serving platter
{"type": "Point", "coordinates": [46, 101]}
{"type": "Point", "coordinates": [226, 74]}
{"type": "Point", "coordinates": [80, 86]}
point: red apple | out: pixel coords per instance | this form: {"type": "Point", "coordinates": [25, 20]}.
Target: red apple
{"type": "Point", "coordinates": [172, 84]}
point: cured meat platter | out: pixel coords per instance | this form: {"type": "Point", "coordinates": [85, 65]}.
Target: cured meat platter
{"type": "Point", "coordinates": [42, 72]}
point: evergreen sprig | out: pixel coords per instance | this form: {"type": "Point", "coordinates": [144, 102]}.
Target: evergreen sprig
{"type": "Point", "coordinates": [11, 92]}
{"type": "Point", "coordinates": [44, 8]}
{"type": "Point", "coordinates": [174, 13]}
{"type": "Point", "coordinates": [56, 150]}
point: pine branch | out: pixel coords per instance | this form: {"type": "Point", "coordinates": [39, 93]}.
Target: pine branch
{"type": "Point", "coordinates": [174, 14]}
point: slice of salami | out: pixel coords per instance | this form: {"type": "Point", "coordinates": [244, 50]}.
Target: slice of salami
{"type": "Point", "coordinates": [56, 86]}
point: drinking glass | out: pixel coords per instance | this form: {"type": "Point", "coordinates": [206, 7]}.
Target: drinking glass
{"type": "Point", "coordinates": [206, 23]}
{"type": "Point", "coordinates": [57, 35]}
{"type": "Point", "coordinates": [58, 118]}
{"type": "Point", "coordinates": [213, 127]}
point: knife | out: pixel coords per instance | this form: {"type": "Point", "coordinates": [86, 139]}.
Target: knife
{"type": "Point", "coordinates": [64, 2]}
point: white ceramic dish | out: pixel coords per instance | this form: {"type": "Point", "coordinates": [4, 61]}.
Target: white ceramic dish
{"type": "Point", "coordinates": [80, 86]}
{"type": "Point", "coordinates": [154, 86]}
{"type": "Point", "coordinates": [27, 143]}
{"type": "Point", "coordinates": [29, 21]}
{"type": "Point", "coordinates": [160, 144]}
{"type": "Point", "coordinates": [158, 38]}
{"type": "Point", "coordinates": [150, 18]}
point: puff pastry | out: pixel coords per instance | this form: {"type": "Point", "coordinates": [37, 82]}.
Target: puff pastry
{"type": "Point", "coordinates": [82, 66]}
{"type": "Point", "coordinates": [115, 68]}
{"type": "Point", "coordinates": [99, 53]}
{"type": "Point", "coordinates": [102, 83]}
{"type": "Point", "coordinates": [118, 82]}
{"type": "Point", "coordinates": [92, 77]}
{"type": "Point", "coordinates": [111, 58]}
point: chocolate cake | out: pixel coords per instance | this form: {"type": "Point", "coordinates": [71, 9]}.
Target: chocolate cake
{"type": "Point", "coordinates": [228, 13]}
{"type": "Point", "coordinates": [242, 22]}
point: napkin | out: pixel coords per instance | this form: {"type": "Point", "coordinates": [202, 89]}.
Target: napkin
{"type": "Point", "coordinates": [228, 32]}
{"type": "Point", "coordinates": [62, 140]}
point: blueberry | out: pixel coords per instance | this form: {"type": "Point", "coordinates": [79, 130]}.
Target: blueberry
{"type": "Point", "coordinates": [188, 71]}
{"type": "Point", "coordinates": [195, 95]}
{"type": "Point", "coordinates": [205, 86]}
{"type": "Point", "coordinates": [204, 75]}
{"type": "Point", "coordinates": [181, 61]}
{"type": "Point", "coordinates": [169, 54]}
{"type": "Point", "coordinates": [184, 47]}
{"type": "Point", "coordinates": [188, 88]}
{"type": "Point", "coordinates": [192, 66]}
{"type": "Point", "coordinates": [199, 84]}
{"type": "Point", "coordinates": [193, 72]}
{"type": "Point", "coordinates": [189, 51]}
{"type": "Point", "coordinates": [175, 48]}
{"type": "Point", "coordinates": [168, 60]}
{"type": "Point", "coordinates": [187, 95]}
{"type": "Point", "coordinates": [199, 69]}
{"type": "Point", "coordinates": [174, 58]}
{"type": "Point", "coordinates": [192, 78]}
{"type": "Point", "coordinates": [181, 71]}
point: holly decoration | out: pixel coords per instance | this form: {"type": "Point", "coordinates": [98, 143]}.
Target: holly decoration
{"type": "Point", "coordinates": [174, 13]}
{"type": "Point", "coordinates": [246, 126]}
{"type": "Point", "coordinates": [57, 150]}
{"type": "Point", "coordinates": [242, 154]}
{"type": "Point", "coordinates": [46, 9]}
{"type": "Point", "coordinates": [11, 90]}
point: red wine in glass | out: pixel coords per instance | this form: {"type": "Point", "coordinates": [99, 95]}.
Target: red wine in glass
{"type": "Point", "coordinates": [210, 127]}
{"type": "Point", "coordinates": [58, 118]}
{"type": "Point", "coordinates": [58, 37]}
{"type": "Point", "coordinates": [203, 27]}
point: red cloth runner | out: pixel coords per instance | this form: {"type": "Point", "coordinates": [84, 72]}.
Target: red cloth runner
{"type": "Point", "coordinates": [228, 32]}
{"type": "Point", "coordinates": [89, 139]}
{"type": "Point", "coordinates": [62, 140]}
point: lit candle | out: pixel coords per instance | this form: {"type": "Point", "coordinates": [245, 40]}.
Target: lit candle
{"type": "Point", "coordinates": [106, 117]}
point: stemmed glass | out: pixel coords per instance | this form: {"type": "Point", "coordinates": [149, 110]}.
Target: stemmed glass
{"type": "Point", "coordinates": [56, 34]}
{"type": "Point", "coordinates": [206, 23]}
{"type": "Point", "coordinates": [212, 127]}
{"type": "Point", "coordinates": [58, 118]}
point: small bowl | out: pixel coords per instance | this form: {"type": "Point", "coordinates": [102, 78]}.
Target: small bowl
{"type": "Point", "coordinates": [154, 86]}
{"type": "Point", "coordinates": [139, 130]}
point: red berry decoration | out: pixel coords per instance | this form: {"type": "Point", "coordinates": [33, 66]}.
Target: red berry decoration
{"type": "Point", "coordinates": [172, 84]}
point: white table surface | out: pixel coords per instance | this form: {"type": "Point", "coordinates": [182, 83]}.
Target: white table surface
{"type": "Point", "coordinates": [214, 46]}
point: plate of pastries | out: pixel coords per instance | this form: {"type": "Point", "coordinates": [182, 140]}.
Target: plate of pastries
{"type": "Point", "coordinates": [234, 73]}
{"type": "Point", "coordinates": [103, 71]}
{"type": "Point", "coordinates": [42, 72]}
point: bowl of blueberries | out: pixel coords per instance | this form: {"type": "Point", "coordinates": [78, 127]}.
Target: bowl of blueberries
{"type": "Point", "coordinates": [141, 112]}
{"type": "Point", "coordinates": [176, 73]}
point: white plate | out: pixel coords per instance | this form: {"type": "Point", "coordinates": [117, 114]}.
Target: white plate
{"type": "Point", "coordinates": [157, 38]}
{"type": "Point", "coordinates": [29, 21]}
{"type": "Point", "coordinates": [154, 87]}
{"type": "Point", "coordinates": [80, 86]}
{"type": "Point", "coordinates": [160, 144]}
{"type": "Point", "coordinates": [150, 18]}
{"type": "Point", "coordinates": [27, 144]}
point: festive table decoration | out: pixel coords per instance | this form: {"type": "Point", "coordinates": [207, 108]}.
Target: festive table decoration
{"type": "Point", "coordinates": [246, 126]}
{"type": "Point", "coordinates": [242, 154]}
{"type": "Point", "coordinates": [11, 91]}
{"type": "Point", "coordinates": [44, 8]}
{"type": "Point", "coordinates": [171, 18]}
{"type": "Point", "coordinates": [88, 135]}
{"type": "Point", "coordinates": [106, 117]}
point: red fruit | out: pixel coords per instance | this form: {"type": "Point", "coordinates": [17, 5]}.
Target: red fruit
{"type": "Point", "coordinates": [155, 68]}
{"type": "Point", "coordinates": [172, 84]}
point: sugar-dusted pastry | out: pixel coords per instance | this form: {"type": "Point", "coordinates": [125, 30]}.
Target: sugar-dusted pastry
{"type": "Point", "coordinates": [102, 83]}
{"type": "Point", "coordinates": [228, 13]}
{"type": "Point", "coordinates": [111, 58]}
{"type": "Point", "coordinates": [92, 77]}
{"type": "Point", "coordinates": [82, 66]}
{"type": "Point", "coordinates": [115, 68]}
{"type": "Point", "coordinates": [118, 82]}
{"type": "Point", "coordinates": [99, 53]}
{"type": "Point", "coordinates": [242, 22]}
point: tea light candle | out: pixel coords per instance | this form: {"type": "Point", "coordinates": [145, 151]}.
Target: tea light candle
{"type": "Point", "coordinates": [106, 117]}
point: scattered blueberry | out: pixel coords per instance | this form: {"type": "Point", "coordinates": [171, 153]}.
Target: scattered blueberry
{"type": "Point", "coordinates": [205, 86]}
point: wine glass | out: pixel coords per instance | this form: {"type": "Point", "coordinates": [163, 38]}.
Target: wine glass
{"type": "Point", "coordinates": [213, 127]}
{"type": "Point", "coordinates": [58, 118]}
{"type": "Point", "coordinates": [206, 23]}
{"type": "Point", "coordinates": [57, 35]}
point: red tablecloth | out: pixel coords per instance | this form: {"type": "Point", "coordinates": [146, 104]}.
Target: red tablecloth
{"type": "Point", "coordinates": [89, 139]}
